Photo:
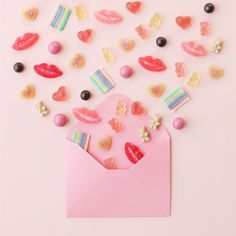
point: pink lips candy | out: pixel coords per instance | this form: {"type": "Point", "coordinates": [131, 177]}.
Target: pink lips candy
{"type": "Point", "coordinates": [108, 17]}
{"type": "Point", "coordinates": [85, 115]}
{"type": "Point", "coordinates": [194, 49]}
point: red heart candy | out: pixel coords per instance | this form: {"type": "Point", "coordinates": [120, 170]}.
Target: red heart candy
{"type": "Point", "coordinates": [85, 36]}
{"type": "Point", "coordinates": [61, 95]}
{"type": "Point", "coordinates": [138, 108]}
{"type": "Point", "coordinates": [184, 21]}
{"type": "Point", "coordinates": [134, 7]}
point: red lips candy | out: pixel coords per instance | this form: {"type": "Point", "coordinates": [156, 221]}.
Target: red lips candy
{"type": "Point", "coordinates": [25, 41]}
{"type": "Point", "coordinates": [47, 71]}
{"type": "Point", "coordinates": [133, 153]}
{"type": "Point", "coordinates": [85, 115]}
{"type": "Point", "coordinates": [152, 64]}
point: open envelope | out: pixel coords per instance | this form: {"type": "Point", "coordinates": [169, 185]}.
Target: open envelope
{"type": "Point", "coordinates": [132, 190]}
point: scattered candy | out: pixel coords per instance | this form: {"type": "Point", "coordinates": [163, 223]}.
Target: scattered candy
{"type": "Point", "coordinates": [80, 12]}
{"type": "Point", "coordinates": [180, 69]}
{"type": "Point", "coordinates": [152, 64]}
{"type": "Point", "coordinates": [156, 90]}
{"type": "Point", "coordinates": [110, 164]}
{"type": "Point", "coordinates": [217, 46]}
{"type": "Point", "coordinates": [205, 28]}
{"type": "Point", "coordinates": [104, 144]}
{"type": "Point", "coordinates": [61, 95]}
{"type": "Point", "coordinates": [155, 21]}
{"type": "Point", "coordinates": [102, 80]}
{"type": "Point", "coordinates": [215, 72]}
{"type": "Point", "coordinates": [209, 8]}
{"type": "Point", "coordinates": [85, 115]}
{"type": "Point", "coordinates": [176, 99]}
{"type": "Point", "coordinates": [28, 92]}
{"type": "Point", "coordinates": [121, 108]}
{"type": "Point", "coordinates": [134, 7]}
{"type": "Point", "coordinates": [82, 139]}
{"type": "Point", "coordinates": [85, 95]}
{"type": "Point", "coordinates": [133, 153]}
{"type": "Point", "coordinates": [116, 125]}
{"type": "Point", "coordinates": [184, 22]}
{"type": "Point", "coordinates": [108, 55]}
{"type": "Point", "coordinates": [127, 44]}
{"type": "Point", "coordinates": [138, 108]}
{"type": "Point", "coordinates": [42, 109]}
{"type": "Point", "coordinates": [30, 14]}
{"type": "Point", "coordinates": [77, 62]}
{"type": "Point", "coordinates": [54, 47]}
{"type": "Point", "coordinates": [142, 31]}
{"type": "Point", "coordinates": [161, 42]}
{"type": "Point", "coordinates": [18, 67]}
{"type": "Point", "coordinates": [60, 120]}
{"type": "Point", "coordinates": [47, 71]}
{"type": "Point", "coordinates": [25, 41]}
{"type": "Point", "coordinates": [194, 80]}
{"type": "Point", "coordinates": [60, 17]}
{"type": "Point", "coordinates": [126, 72]}
{"type": "Point", "coordinates": [194, 49]}
{"type": "Point", "coordinates": [156, 122]}
{"type": "Point", "coordinates": [108, 17]}
{"type": "Point", "coordinates": [178, 123]}
{"type": "Point", "coordinates": [144, 134]}
{"type": "Point", "coordinates": [85, 36]}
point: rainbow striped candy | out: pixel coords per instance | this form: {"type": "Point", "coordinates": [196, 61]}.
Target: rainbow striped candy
{"type": "Point", "coordinates": [82, 139]}
{"type": "Point", "coordinates": [102, 80]}
{"type": "Point", "coordinates": [60, 17]}
{"type": "Point", "coordinates": [176, 99]}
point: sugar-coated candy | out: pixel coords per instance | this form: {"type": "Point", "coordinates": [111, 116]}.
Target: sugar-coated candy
{"type": "Point", "coordinates": [30, 14]}
{"type": "Point", "coordinates": [137, 108]}
{"type": "Point", "coordinates": [126, 72]}
{"type": "Point", "coordinates": [116, 125]}
{"type": "Point", "coordinates": [104, 144]}
{"type": "Point", "coordinates": [82, 139]}
{"type": "Point", "coordinates": [110, 164]}
{"type": "Point", "coordinates": [180, 69]}
{"type": "Point", "coordinates": [179, 123]}
{"type": "Point", "coordinates": [194, 80]}
{"type": "Point", "coordinates": [152, 64]}
{"type": "Point", "coordinates": [48, 71]}
{"type": "Point", "coordinates": [161, 42]}
{"type": "Point", "coordinates": [18, 67]}
{"type": "Point", "coordinates": [86, 35]}
{"type": "Point", "coordinates": [217, 46]}
{"type": "Point", "coordinates": [80, 12]}
{"type": "Point", "coordinates": [85, 95]}
{"type": "Point", "coordinates": [54, 47]}
{"type": "Point", "coordinates": [209, 8]}
{"type": "Point", "coordinates": [42, 109]}
{"type": "Point", "coordinates": [134, 7]}
{"type": "Point", "coordinates": [142, 31]}
{"type": "Point", "coordinates": [108, 55]}
{"type": "Point", "coordinates": [60, 16]}
{"type": "Point", "coordinates": [194, 49]}
{"type": "Point", "coordinates": [121, 108]}
{"type": "Point", "coordinates": [184, 22]}
{"type": "Point", "coordinates": [60, 120]}
{"type": "Point", "coordinates": [28, 92]}
{"type": "Point", "coordinates": [144, 134]}
{"type": "Point", "coordinates": [77, 62]}
{"type": "Point", "coordinates": [215, 72]}
{"type": "Point", "coordinates": [127, 44]}
{"type": "Point", "coordinates": [204, 28]}
{"type": "Point", "coordinates": [61, 95]}
{"type": "Point", "coordinates": [133, 153]}
{"type": "Point", "coordinates": [85, 115]}
{"type": "Point", "coordinates": [25, 41]}
{"type": "Point", "coordinates": [156, 90]}
{"type": "Point", "coordinates": [156, 122]}
{"type": "Point", "coordinates": [108, 17]}
{"type": "Point", "coordinates": [155, 21]}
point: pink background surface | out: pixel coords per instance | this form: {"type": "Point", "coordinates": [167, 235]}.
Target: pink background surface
{"type": "Point", "coordinates": [32, 162]}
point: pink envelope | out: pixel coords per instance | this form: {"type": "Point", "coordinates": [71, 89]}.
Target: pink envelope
{"type": "Point", "coordinates": [132, 190]}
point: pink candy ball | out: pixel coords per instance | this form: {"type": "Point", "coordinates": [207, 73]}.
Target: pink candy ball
{"type": "Point", "coordinates": [60, 120]}
{"type": "Point", "coordinates": [126, 72]}
{"type": "Point", "coordinates": [178, 123]}
{"type": "Point", "coordinates": [54, 47]}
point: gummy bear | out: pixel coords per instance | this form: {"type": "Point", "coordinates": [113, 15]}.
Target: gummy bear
{"type": "Point", "coordinates": [156, 122]}
{"type": "Point", "coordinates": [78, 61]}
{"type": "Point", "coordinates": [80, 12]}
{"type": "Point", "coordinates": [205, 28]}
{"type": "Point", "coordinates": [138, 108]}
{"type": "Point", "coordinates": [110, 164]}
{"type": "Point", "coordinates": [127, 44]}
{"type": "Point", "coordinates": [121, 108]}
{"type": "Point", "coordinates": [62, 94]}
{"type": "Point", "coordinates": [194, 80]}
{"type": "Point", "coordinates": [133, 153]}
{"type": "Point", "coordinates": [144, 134]}
{"type": "Point", "coordinates": [155, 21]}
{"type": "Point", "coordinates": [30, 14]}
{"type": "Point", "coordinates": [42, 109]}
{"type": "Point", "coordinates": [85, 36]}
{"type": "Point", "coordinates": [217, 46]}
{"type": "Point", "coordinates": [104, 144]}
{"type": "Point", "coordinates": [142, 31]}
{"type": "Point", "coordinates": [28, 92]}
{"type": "Point", "coordinates": [215, 72]}
{"type": "Point", "coordinates": [184, 22]}
{"type": "Point", "coordinates": [134, 7]}
{"type": "Point", "coordinates": [180, 69]}
{"type": "Point", "coordinates": [108, 55]}
{"type": "Point", "coordinates": [116, 125]}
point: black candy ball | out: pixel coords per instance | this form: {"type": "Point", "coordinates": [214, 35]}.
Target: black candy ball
{"type": "Point", "coordinates": [209, 8]}
{"type": "Point", "coordinates": [18, 67]}
{"type": "Point", "coordinates": [161, 41]}
{"type": "Point", "coordinates": [85, 95]}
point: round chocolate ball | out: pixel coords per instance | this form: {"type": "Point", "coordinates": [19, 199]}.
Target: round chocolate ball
{"type": "Point", "coordinates": [161, 42]}
{"type": "Point", "coordinates": [209, 8]}
{"type": "Point", "coordinates": [85, 95]}
{"type": "Point", "coordinates": [18, 67]}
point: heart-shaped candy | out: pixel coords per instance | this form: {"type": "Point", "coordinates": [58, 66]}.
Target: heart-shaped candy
{"type": "Point", "coordinates": [138, 108]}
{"type": "Point", "coordinates": [156, 90]}
{"type": "Point", "coordinates": [184, 21]}
{"type": "Point", "coordinates": [104, 144]}
{"type": "Point", "coordinates": [30, 14]}
{"type": "Point", "coordinates": [110, 164]}
{"type": "Point", "coordinates": [127, 44]}
{"type": "Point", "coordinates": [28, 92]}
{"type": "Point", "coordinates": [85, 36]}
{"type": "Point", "coordinates": [61, 95]}
{"type": "Point", "coordinates": [134, 7]}
{"type": "Point", "coordinates": [78, 61]}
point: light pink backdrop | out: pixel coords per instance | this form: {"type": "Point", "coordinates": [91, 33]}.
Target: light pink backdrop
{"type": "Point", "coordinates": [32, 163]}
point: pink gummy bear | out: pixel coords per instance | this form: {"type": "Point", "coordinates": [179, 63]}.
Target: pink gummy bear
{"type": "Point", "coordinates": [180, 69]}
{"type": "Point", "coordinates": [205, 28]}
{"type": "Point", "coordinates": [142, 31]}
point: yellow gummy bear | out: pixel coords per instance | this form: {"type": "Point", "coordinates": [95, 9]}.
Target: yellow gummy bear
{"type": "Point", "coordinates": [80, 12]}
{"type": "Point", "coordinates": [194, 80]}
{"type": "Point", "coordinates": [108, 55]}
{"type": "Point", "coordinates": [155, 21]}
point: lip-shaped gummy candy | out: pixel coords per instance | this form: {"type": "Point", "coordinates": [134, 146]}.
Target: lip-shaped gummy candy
{"type": "Point", "coordinates": [194, 49]}
{"type": "Point", "coordinates": [47, 71]}
{"type": "Point", "coordinates": [133, 153]}
{"type": "Point", "coordinates": [108, 17]}
{"type": "Point", "coordinates": [25, 41]}
{"type": "Point", "coordinates": [85, 115]}
{"type": "Point", "coordinates": [152, 64]}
